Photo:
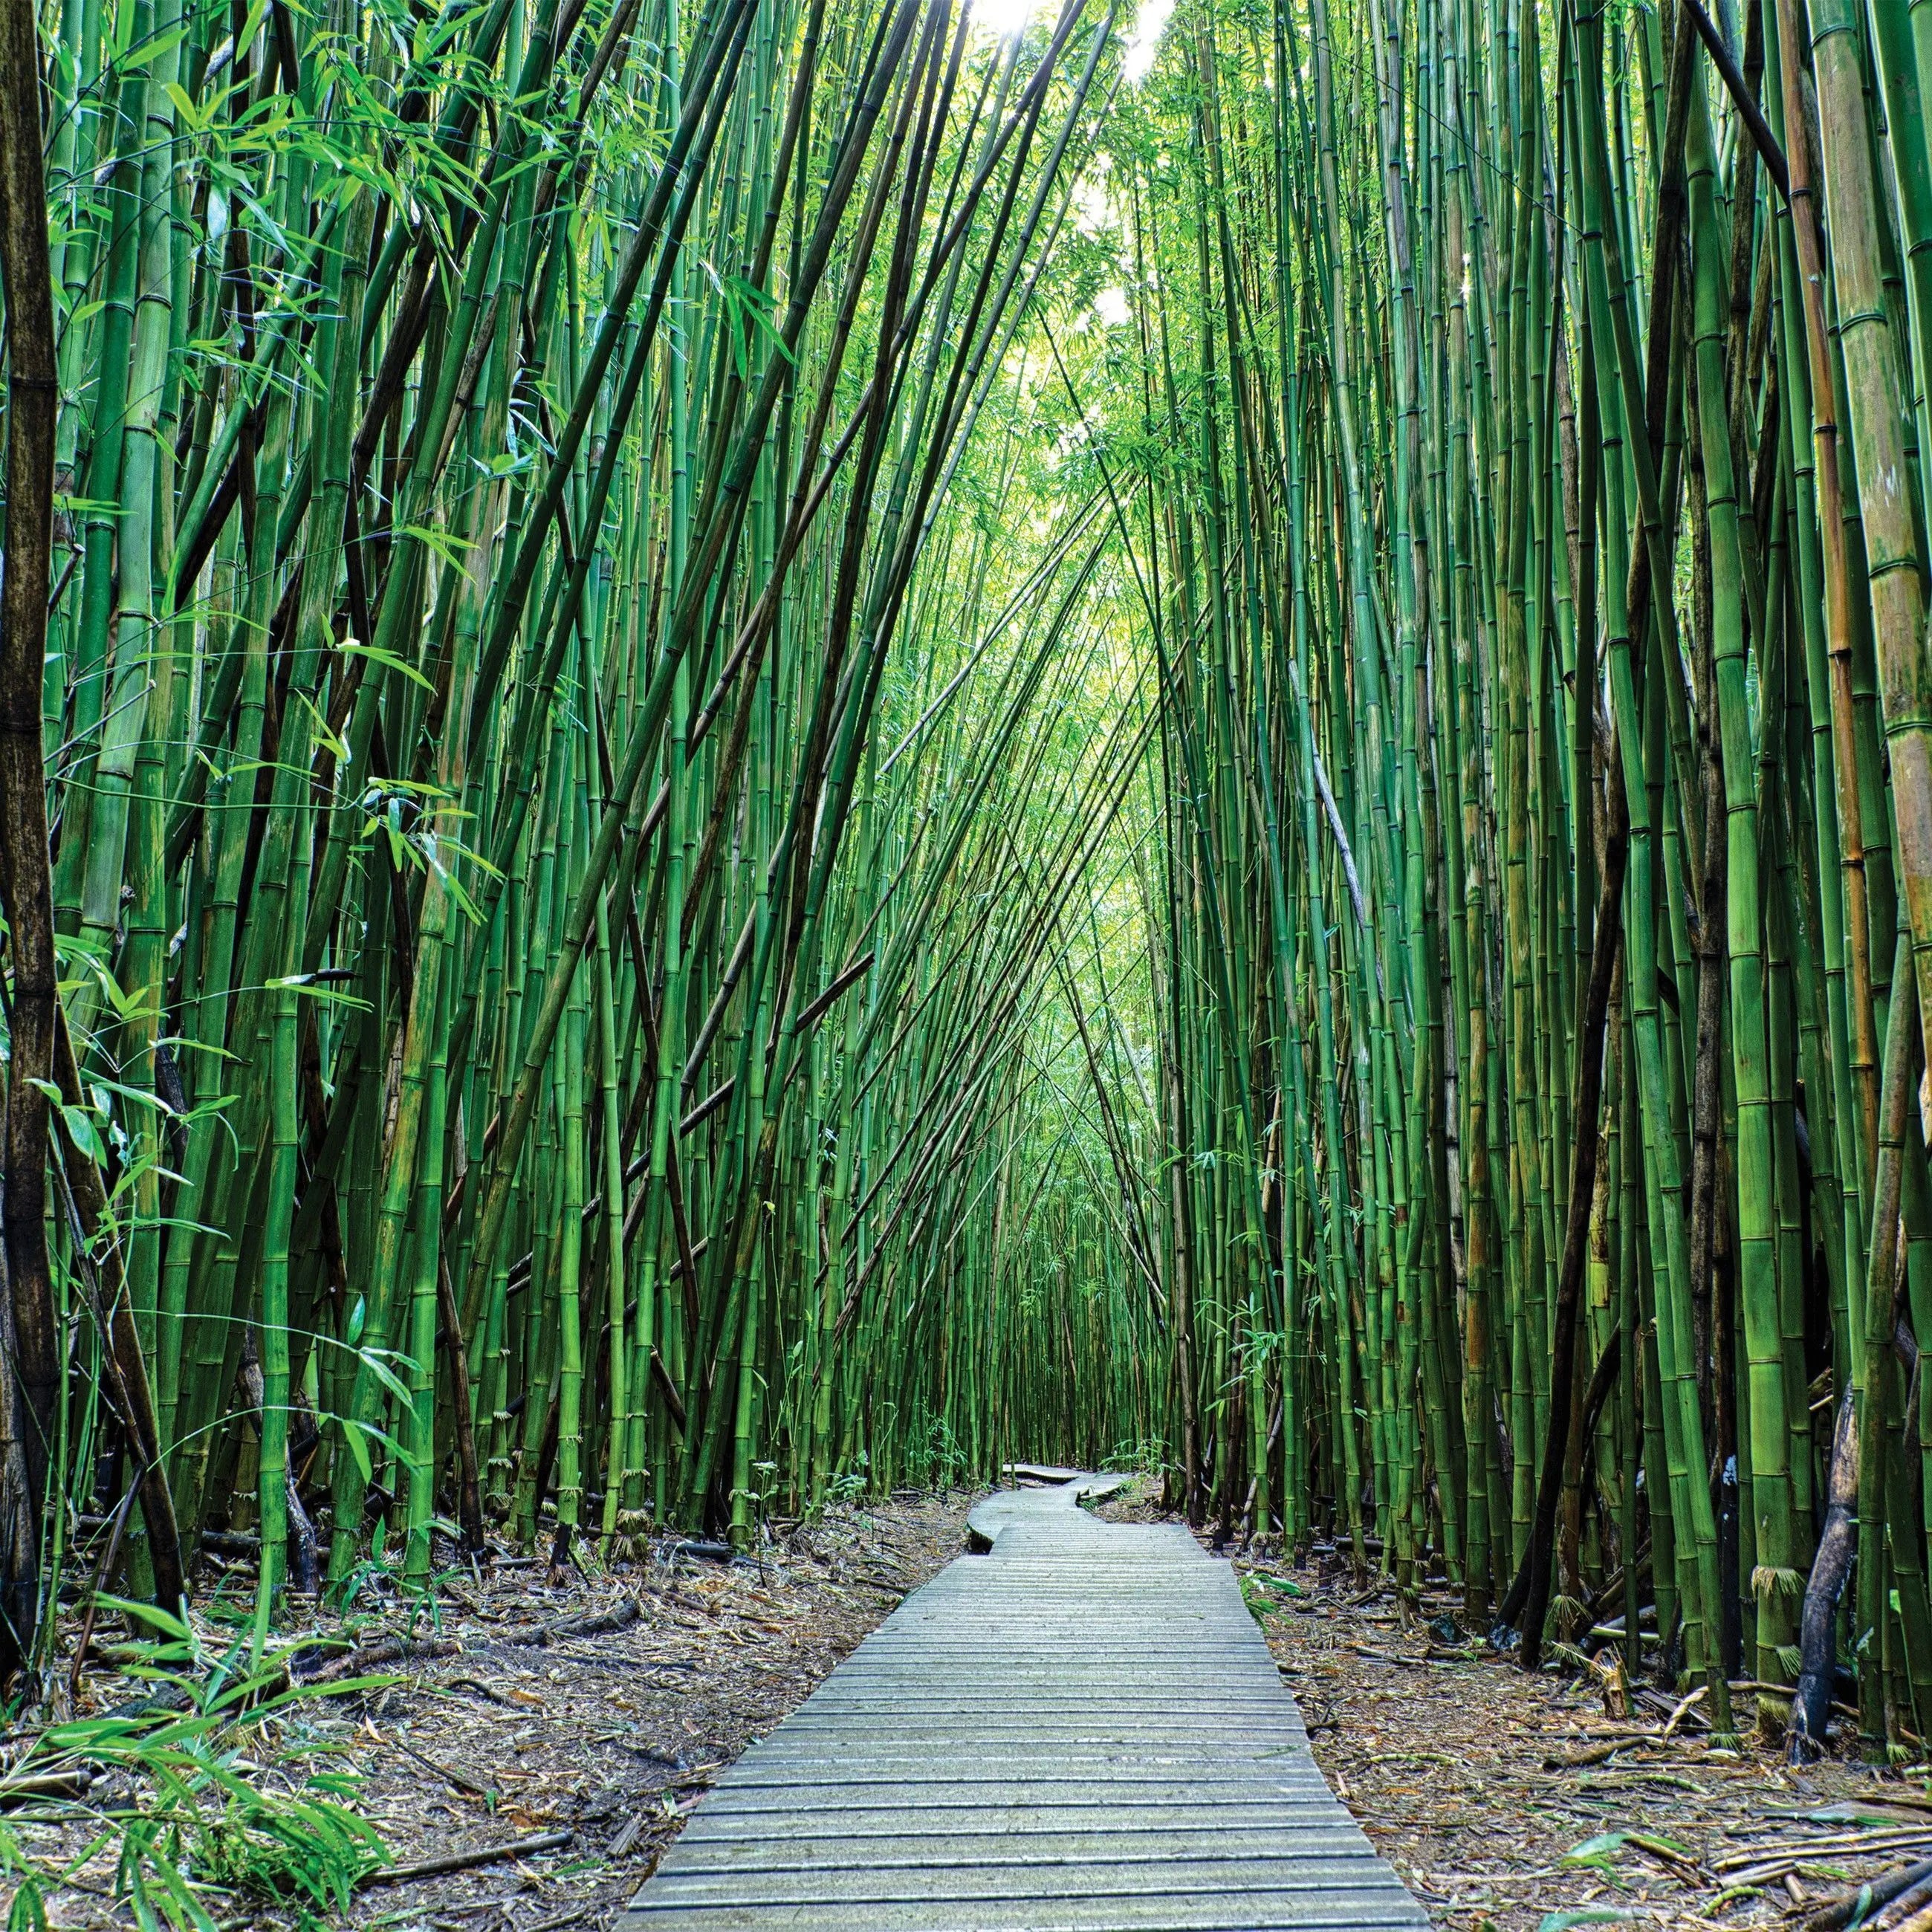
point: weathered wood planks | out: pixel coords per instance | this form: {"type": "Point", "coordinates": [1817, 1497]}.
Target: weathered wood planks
{"type": "Point", "coordinates": [1081, 1730]}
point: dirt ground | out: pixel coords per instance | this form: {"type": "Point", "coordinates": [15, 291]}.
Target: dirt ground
{"type": "Point", "coordinates": [1514, 1802]}
{"type": "Point", "coordinates": [599, 1736]}
{"type": "Point", "coordinates": [589, 1719]}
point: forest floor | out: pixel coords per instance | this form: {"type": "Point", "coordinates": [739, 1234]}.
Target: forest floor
{"type": "Point", "coordinates": [583, 1721]}
{"type": "Point", "coordinates": [529, 1750]}
{"type": "Point", "coordinates": [1519, 1803]}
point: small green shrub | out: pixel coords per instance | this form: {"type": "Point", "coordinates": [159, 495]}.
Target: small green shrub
{"type": "Point", "coordinates": [197, 1824]}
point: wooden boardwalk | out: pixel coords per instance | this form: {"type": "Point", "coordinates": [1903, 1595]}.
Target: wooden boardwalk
{"type": "Point", "coordinates": [1081, 1730]}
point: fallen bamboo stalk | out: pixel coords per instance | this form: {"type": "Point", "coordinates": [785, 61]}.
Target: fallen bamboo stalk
{"type": "Point", "coordinates": [1860, 1901]}
{"type": "Point", "coordinates": [599, 1624]}
{"type": "Point", "coordinates": [456, 1861]}
{"type": "Point", "coordinates": [44, 1784]}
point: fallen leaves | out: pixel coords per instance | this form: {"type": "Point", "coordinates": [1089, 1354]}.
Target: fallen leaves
{"type": "Point", "coordinates": [556, 1735]}
{"type": "Point", "coordinates": [1547, 1803]}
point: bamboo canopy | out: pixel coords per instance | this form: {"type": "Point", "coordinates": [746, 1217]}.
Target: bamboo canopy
{"type": "Point", "coordinates": [752, 749]}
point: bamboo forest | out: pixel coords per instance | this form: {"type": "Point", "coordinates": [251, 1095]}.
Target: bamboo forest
{"type": "Point", "coordinates": [758, 753]}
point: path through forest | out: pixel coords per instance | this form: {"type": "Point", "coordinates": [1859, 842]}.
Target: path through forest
{"type": "Point", "coordinates": [752, 751]}
{"type": "Point", "coordinates": [1081, 1728]}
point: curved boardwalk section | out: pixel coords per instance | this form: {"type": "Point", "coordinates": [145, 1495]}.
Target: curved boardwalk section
{"type": "Point", "coordinates": [1082, 1729]}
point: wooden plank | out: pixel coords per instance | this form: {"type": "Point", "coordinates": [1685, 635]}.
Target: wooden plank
{"type": "Point", "coordinates": [1081, 1731]}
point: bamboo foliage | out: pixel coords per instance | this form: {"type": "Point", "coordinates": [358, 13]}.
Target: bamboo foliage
{"type": "Point", "coordinates": [525, 1042]}
{"type": "Point", "coordinates": [786, 747]}
{"type": "Point", "coordinates": [1529, 514]}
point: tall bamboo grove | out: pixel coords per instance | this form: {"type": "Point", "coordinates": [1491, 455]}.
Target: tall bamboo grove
{"type": "Point", "coordinates": [1516, 437]}
{"type": "Point", "coordinates": [514, 706]}
{"type": "Point", "coordinates": [751, 749]}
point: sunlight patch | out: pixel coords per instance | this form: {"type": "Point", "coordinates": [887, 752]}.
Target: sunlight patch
{"type": "Point", "coordinates": [1144, 43]}
{"type": "Point", "coordinates": [1003, 19]}
{"type": "Point", "coordinates": [1094, 211]}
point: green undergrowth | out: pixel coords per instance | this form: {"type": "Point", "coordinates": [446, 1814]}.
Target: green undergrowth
{"type": "Point", "coordinates": [203, 1788]}
{"type": "Point", "coordinates": [1263, 1593]}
